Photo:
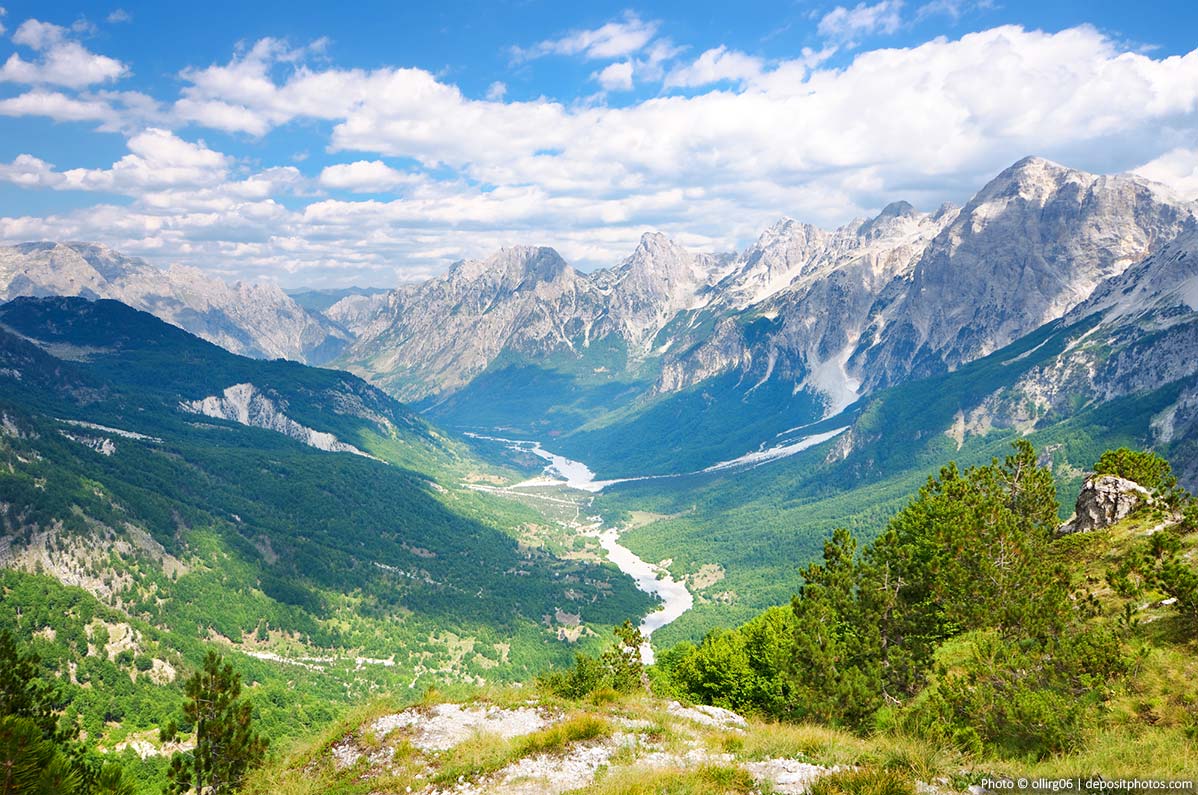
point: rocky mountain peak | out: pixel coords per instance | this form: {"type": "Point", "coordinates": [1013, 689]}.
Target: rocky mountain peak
{"type": "Point", "coordinates": [891, 215]}
{"type": "Point", "coordinates": [1027, 248]}
{"type": "Point", "coordinates": [897, 209]}
{"type": "Point", "coordinates": [511, 268]}
{"type": "Point", "coordinates": [1032, 179]}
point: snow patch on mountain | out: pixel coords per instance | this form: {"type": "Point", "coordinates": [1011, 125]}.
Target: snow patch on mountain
{"type": "Point", "coordinates": [831, 379]}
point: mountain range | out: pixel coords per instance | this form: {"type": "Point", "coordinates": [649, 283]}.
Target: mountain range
{"type": "Point", "coordinates": [1050, 296]}
{"type": "Point", "coordinates": [826, 315]}
{"type": "Point", "coordinates": [258, 320]}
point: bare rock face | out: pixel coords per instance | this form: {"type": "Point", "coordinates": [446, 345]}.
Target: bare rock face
{"type": "Point", "coordinates": [1104, 500]}
{"type": "Point", "coordinates": [1031, 245]}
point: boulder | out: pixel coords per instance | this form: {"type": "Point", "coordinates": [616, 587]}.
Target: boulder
{"type": "Point", "coordinates": [1103, 501]}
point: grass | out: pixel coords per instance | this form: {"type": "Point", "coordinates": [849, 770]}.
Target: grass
{"type": "Point", "coordinates": [702, 780]}
{"type": "Point", "coordinates": [865, 781]}
{"type": "Point", "coordinates": [556, 738]}
{"type": "Point", "coordinates": [1117, 753]}
{"type": "Point", "coordinates": [885, 764]}
{"type": "Point", "coordinates": [308, 768]}
{"type": "Point", "coordinates": [481, 754]}
{"type": "Point", "coordinates": [915, 758]}
{"type": "Point", "coordinates": [810, 743]}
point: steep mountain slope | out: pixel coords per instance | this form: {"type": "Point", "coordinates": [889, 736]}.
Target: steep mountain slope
{"type": "Point", "coordinates": [257, 320]}
{"type": "Point", "coordinates": [1030, 246]}
{"type": "Point", "coordinates": [819, 290]}
{"type": "Point", "coordinates": [441, 334]}
{"type": "Point", "coordinates": [293, 515]}
{"type": "Point", "coordinates": [656, 282]}
{"type": "Point", "coordinates": [1138, 332]}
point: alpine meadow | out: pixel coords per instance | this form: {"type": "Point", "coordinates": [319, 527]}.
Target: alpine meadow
{"type": "Point", "coordinates": [790, 398]}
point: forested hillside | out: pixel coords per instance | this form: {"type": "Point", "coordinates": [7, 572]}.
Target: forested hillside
{"type": "Point", "coordinates": [311, 526]}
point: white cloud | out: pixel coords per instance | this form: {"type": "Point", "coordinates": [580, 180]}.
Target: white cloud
{"type": "Point", "coordinates": [38, 35]}
{"type": "Point", "coordinates": [849, 24]}
{"type": "Point", "coordinates": [364, 176]}
{"type": "Point", "coordinates": [926, 123]}
{"type": "Point", "coordinates": [1177, 168]}
{"type": "Point", "coordinates": [115, 111]}
{"type": "Point", "coordinates": [714, 66]}
{"type": "Point", "coordinates": [496, 91]}
{"type": "Point", "coordinates": [62, 62]}
{"type": "Point", "coordinates": [3, 13]}
{"type": "Point", "coordinates": [157, 159]}
{"type": "Point", "coordinates": [118, 16]}
{"type": "Point", "coordinates": [613, 40]}
{"type": "Point", "coordinates": [57, 106]}
{"type": "Point", "coordinates": [28, 172]}
{"type": "Point", "coordinates": [616, 76]}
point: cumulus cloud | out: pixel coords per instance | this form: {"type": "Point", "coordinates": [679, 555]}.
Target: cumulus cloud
{"type": "Point", "coordinates": [848, 25]}
{"type": "Point", "coordinates": [712, 166]}
{"type": "Point", "coordinates": [714, 66]}
{"type": "Point", "coordinates": [157, 159]}
{"type": "Point", "coordinates": [61, 61]}
{"type": "Point", "coordinates": [613, 40]}
{"type": "Point", "coordinates": [113, 111]}
{"type": "Point", "coordinates": [58, 106]}
{"type": "Point", "coordinates": [28, 172]}
{"type": "Point", "coordinates": [616, 76]}
{"type": "Point", "coordinates": [497, 91]}
{"type": "Point", "coordinates": [364, 176]}
{"type": "Point", "coordinates": [1177, 168]}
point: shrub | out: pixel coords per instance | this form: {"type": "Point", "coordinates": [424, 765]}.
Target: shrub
{"type": "Point", "coordinates": [1146, 468]}
{"type": "Point", "coordinates": [619, 668]}
{"type": "Point", "coordinates": [1018, 698]}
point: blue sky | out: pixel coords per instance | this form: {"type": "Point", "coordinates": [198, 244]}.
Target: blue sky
{"type": "Point", "coordinates": [376, 142]}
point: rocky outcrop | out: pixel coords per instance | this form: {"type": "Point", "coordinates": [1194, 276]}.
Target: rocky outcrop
{"type": "Point", "coordinates": [247, 405]}
{"type": "Point", "coordinates": [1103, 501]}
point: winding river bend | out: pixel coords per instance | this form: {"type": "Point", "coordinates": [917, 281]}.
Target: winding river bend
{"type": "Point", "coordinates": [649, 577]}
{"type": "Point", "coordinates": [652, 579]}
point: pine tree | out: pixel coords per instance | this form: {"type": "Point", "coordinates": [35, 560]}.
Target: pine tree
{"type": "Point", "coordinates": [39, 754]}
{"type": "Point", "coordinates": [227, 747]}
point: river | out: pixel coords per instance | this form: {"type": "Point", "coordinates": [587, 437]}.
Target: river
{"type": "Point", "coordinates": [649, 577]}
